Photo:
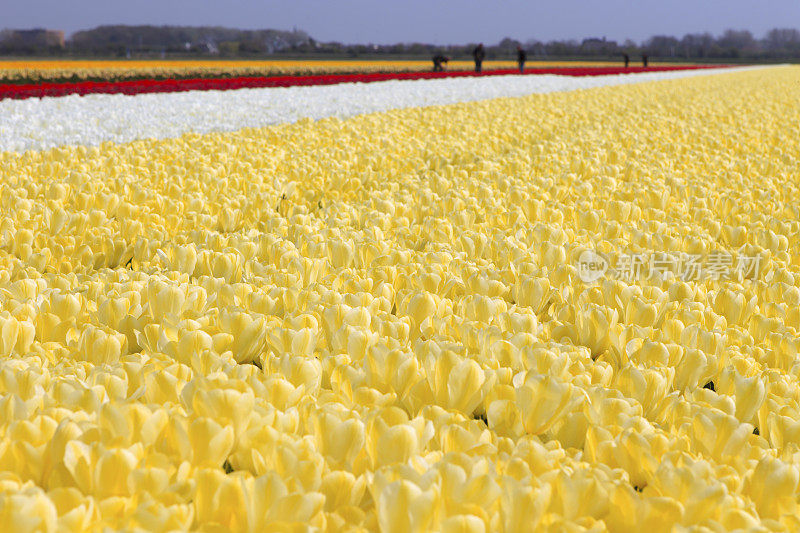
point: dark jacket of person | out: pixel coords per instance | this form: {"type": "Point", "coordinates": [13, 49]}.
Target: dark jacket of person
{"type": "Point", "coordinates": [479, 53]}
{"type": "Point", "coordinates": [521, 55]}
{"type": "Point", "coordinates": [438, 59]}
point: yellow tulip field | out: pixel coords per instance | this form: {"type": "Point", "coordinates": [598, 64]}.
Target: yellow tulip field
{"type": "Point", "coordinates": [127, 69]}
{"type": "Point", "coordinates": [574, 311]}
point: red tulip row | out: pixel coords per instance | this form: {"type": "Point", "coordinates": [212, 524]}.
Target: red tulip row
{"type": "Point", "coordinates": [222, 84]}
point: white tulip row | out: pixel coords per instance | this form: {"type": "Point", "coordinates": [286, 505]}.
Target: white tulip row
{"type": "Point", "coordinates": [36, 124]}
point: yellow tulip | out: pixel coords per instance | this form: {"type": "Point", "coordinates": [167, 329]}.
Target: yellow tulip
{"type": "Point", "coordinates": [692, 483]}
{"type": "Point", "coordinates": [15, 336]}
{"type": "Point", "coordinates": [748, 392]}
{"type": "Point", "coordinates": [648, 386]}
{"type": "Point", "coordinates": [342, 489]}
{"type": "Point", "coordinates": [734, 307]}
{"type": "Point", "coordinates": [523, 507]}
{"type": "Point", "coordinates": [541, 400]}
{"type": "Point", "coordinates": [210, 443]}
{"type": "Point", "coordinates": [248, 332]}
{"type": "Point", "coordinates": [100, 345]}
{"type": "Point", "coordinates": [771, 487]}
{"type": "Point", "coordinates": [223, 405]}
{"type": "Point", "coordinates": [403, 506]}
{"type": "Point", "coordinates": [463, 524]}
{"type": "Point", "coordinates": [694, 369]}
{"type": "Point", "coordinates": [29, 510]}
{"type": "Point", "coordinates": [596, 328]}
{"type": "Point", "coordinates": [75, 511]}
{"type": "Point", "coordinates": [418, 307]}
{"type": "Point", "coordinates": [628, 510]}
{"type": "Point", "coordinates": [455, 383]}
{"type": "Point", "coordinates": [164, 299]}
{"type": "Point", "coordinates": [340, 440]}
{"type": "Point", "coordinates": [306, 372]}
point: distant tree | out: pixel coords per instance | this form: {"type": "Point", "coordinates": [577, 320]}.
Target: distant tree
{"type": "Point", "coordinates": [229, 48]}
{"type": "Point", "coordinates": [154, 41]}
{"type": "Point", "coordinates": [508, 45]}
{"type": "Point", "coordinates": [783, 42]}
{"type": "Point", "coordinates": [562, 48]}
{"type": "Point", "coordinates": [598, 47]}
{"type": "Point", "coordinates": [662, 45]}
{"type": "Point", "coordinates": [202, 40]}
{"type": "Point", "coordinates": [696, 45]}
{"type": "Point", "coordinates": [738, 43]}
{"type": "Point", "coordinates": [417, 49]}
{"type": "Point", "coordinates": [252, 47]}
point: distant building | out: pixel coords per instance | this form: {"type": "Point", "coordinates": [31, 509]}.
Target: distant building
{"type": "Point", "coordinates": [593, 41]}
{"type": "Point", "coordinates": [209, 45]}
{"type": "Point", "coordinates": [595, 44]}
{"type": "Point", "coordinates": [36, 38]}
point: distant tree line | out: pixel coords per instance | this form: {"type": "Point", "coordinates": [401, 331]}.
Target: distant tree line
{"type": "Point", "coordinates": [178, 41]}
{"type": "Point", "coordinates": [153, 41]}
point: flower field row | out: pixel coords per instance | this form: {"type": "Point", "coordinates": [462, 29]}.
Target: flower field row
{"type": "Point", "coordinates": [121, 70]}
{"type": "Point", "coordinates": [93, 119]}
{"type": "Point", "coordinates": [220, 84]}
{"type": "Point", "coordinates": [379, 323]}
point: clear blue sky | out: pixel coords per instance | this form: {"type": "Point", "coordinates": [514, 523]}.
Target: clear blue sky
{"type": "Point", "coordinates": [433, 21]}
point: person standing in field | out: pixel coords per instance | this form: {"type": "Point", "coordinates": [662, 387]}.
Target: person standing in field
{"type": "Point", "coordinates": [478, 54]}
{"type": "Point", "coordinates": [521, 57]}
{"type": "Point", "coordinates": [644, 60]}
{"type": "Point", "coordinates": [438, 59]}
{"type": "Point", "coordinates": [627, 59]}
